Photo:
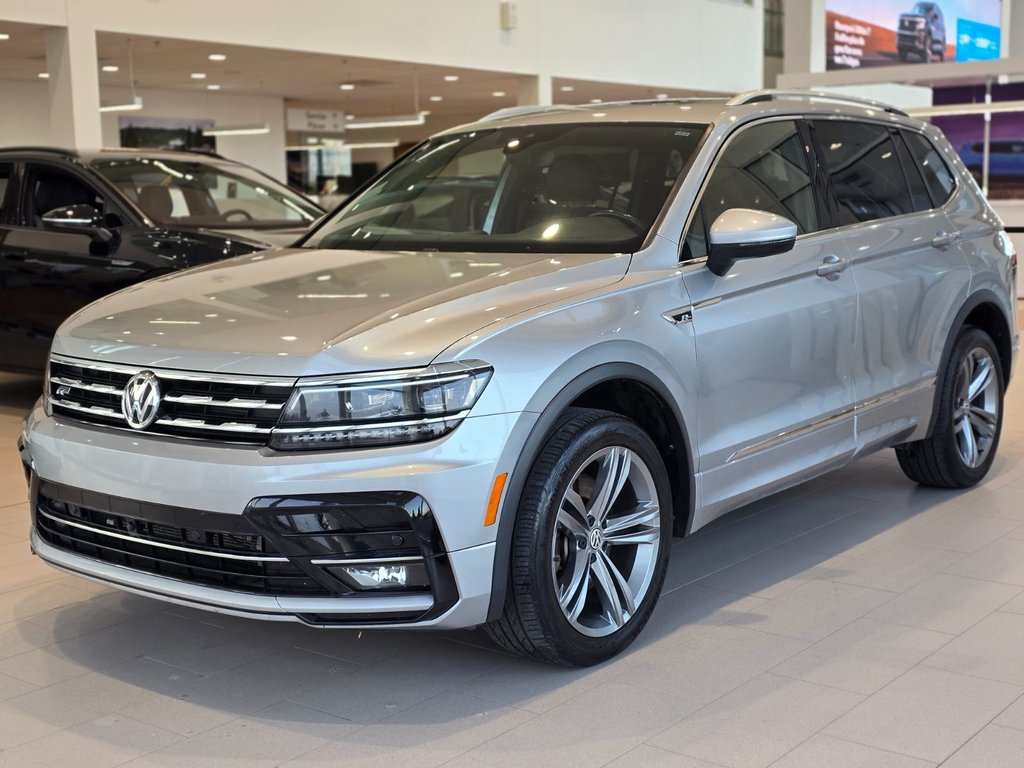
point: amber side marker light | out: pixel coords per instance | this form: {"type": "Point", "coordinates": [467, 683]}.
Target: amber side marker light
{"type": "Point", "coordinates": [492, 505]}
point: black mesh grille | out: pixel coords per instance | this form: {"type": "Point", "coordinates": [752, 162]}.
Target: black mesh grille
{"type": "Point", "coordinates": [136, 543]}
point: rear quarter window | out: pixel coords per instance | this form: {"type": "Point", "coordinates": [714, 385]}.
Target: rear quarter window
{"type": "Point", "coordinates": [936, 174]}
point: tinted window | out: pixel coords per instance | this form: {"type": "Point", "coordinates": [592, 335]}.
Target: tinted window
{"type": "Point", "coordinates": [6, 170]}
{"type": "Point", "coordinates": [51, 188]}
{"type": "Point", "coordinates": [918, 191]}
{"type": "Point", "coordinates": [933, 169]}
{"type": "Point", "coordinates": [864, 169]}
{"type": "Point", "coordinates": [764, 167]}
{"type": "Point", "coordinates": [556, 188]}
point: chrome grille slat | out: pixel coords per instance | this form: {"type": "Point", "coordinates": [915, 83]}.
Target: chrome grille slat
{"type": "Point", "coordinates": [230, 408]}
{"type": "Point", "coordinates": [233, 403]}
{"type": "Point", "coordinates": [104, 388]}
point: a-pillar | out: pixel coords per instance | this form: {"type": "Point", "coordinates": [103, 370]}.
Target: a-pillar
{"type": "Point", "coordinates": [74, 86]}
{"type": "Point", "coordinates": [534, 89]}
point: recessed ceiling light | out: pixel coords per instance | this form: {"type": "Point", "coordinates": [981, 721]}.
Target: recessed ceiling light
{"type": "Point", "coordinates": [595, 101]}
{"type": "Point", "coordinates": [350, 117]}
{"type": "Point", "coordinates": [4, 36]}
{"type": "Point", "coordinates": [110, 68]}
{"type": "Point", "coordinates": [451, 78]}
{"type": "Point", "coordinates": [198, 75]}
{"type": "Point", "coordinates": [43, 75]}
{"type": "Point", "coordinates": [213, 87]}
{"type": "Point", "coordinates": [566, 88]}
{"type": "Point", "coordinates": [436, 98]}
{"type": "Point", "coordinates": [661, 96]}
{"type": "Point", "coordinates": [498, 94]}
{"type": "Point", "coordinates": [217, 57]}
{"type": "Point", "coordinates": [347, 86]}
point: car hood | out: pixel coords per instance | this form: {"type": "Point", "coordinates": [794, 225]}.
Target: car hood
{"type": "Point", "coordinates": [306, 312]}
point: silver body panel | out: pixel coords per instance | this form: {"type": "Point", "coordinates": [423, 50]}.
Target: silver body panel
{"type": "Point", "coordinates": [777, 372]}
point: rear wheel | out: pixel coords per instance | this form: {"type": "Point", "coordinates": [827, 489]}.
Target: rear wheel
{"type": "Point", "coordinates": [963, 444]}
{"type": "Point", "coordinates": [590, 544]}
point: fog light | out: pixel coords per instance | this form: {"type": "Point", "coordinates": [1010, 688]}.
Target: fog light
{"type": "Point", "coordinates": [384, 576]}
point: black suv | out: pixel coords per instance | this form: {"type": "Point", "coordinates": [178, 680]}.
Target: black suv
{"type": "Point", "coordinates": [922, 32]}
{"type": "Point", "coordinates": [77, 226]}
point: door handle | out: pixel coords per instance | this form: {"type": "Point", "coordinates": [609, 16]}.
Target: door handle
{"type": "Point", "coordinates": [943, 239]}
{"type": "Point", "coordinates": [831, 267]}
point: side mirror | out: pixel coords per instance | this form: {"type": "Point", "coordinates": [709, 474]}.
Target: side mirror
{"type": "Point", "coordinates": [744, 233]}
{"type": "Point", "coordinates": [81, 216]}
{"type": "Point", "coordinates": [82, 219]}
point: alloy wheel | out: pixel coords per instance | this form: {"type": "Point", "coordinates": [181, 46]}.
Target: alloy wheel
{"type": "Point", "coordinates": [976, 411]}
{"type": "Point", "coordinates": [606, 541]}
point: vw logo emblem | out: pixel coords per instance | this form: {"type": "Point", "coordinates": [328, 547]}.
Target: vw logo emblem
{"type": "Point", "coordinates": [596, 539]}
{"type": "Point", "coordinates": [141, 400]}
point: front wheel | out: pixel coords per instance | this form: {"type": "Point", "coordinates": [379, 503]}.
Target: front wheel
{"type": "Point", "coordinates": [963, 445]}
{"type": "Point", "coordinates": [590, 544]}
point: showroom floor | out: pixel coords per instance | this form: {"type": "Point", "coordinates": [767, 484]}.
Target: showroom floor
{"type": "Point", "coordinates": [858, 621]}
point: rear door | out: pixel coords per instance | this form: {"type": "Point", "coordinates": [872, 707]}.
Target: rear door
{"type": "Point", "coordinates": [899, 241]}
{"type": "Point", "coordinates": [774, 336]}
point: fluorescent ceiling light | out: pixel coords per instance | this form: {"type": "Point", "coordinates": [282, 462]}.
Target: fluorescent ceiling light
{"type": "Point", "coordinates": [436, 98]}
{"type": "Point", "coordinates": [347, 86]}
{"type": "Point", "coordinates": [110, 68]}
{"type": "Point", "coordinates": [397, 121]}
{"type": "Point", "coordinates": [451, 78]}
{"type": "Point", "coordinates": [213, 87]}
{"type": "Point", "coordinates": [566, 88]}
{"type": "Point", "coordinates": [498, 94]}
{"type": "Point", "coordinates": [595, 101]}
{"type": "Point", "coordinates": [132, 106]}
{"type": "Point", "coordinates": [43, 75]}
{"type": "Point", "coordinates": [4, 36]}
{"type": "Point", "coordinates": [384, 144]}
{"type": "Point", "coordinates": [198, 75]}
{"type": "Point", "coordinates": [253, 129]}
{"type": "Point", "coordinates": [967, 109]}
{"type": "Point", "coordinates": [661, 96]}
{"type": "Point", "coordinates": [217, 57]}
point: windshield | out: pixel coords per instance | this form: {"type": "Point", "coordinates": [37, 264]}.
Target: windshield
{"type": "Point", "coordinates": [923, 8]}
{"type": "Point", "coordinates": [206, 194]}
{"type": "Point", "coordinates": [552, 188]}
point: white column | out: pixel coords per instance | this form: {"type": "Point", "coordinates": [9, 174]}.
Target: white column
{"type": "Point", "coordinates": [74, 86]}
{"type": "Point", "coordinates": [534, 89]}
{"type": "Point", "coordinates": [804, 36]}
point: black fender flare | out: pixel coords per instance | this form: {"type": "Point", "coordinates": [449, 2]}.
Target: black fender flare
{"type": "Point", "coordinates": [535, 441]}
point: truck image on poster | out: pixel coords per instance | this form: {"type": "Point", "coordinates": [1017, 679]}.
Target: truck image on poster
{"type": "Point", "coordinates": [873, 33]}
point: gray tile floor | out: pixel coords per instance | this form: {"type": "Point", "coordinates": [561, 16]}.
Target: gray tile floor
{"type": "Point", "coordinates": [855, 622]}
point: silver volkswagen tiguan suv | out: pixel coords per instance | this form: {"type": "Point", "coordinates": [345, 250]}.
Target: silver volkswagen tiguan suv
{"type": "Point", "coordinates": [491, 387]}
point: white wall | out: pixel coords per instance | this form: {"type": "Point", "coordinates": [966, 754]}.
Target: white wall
{"type": "Point", "coordinates": [706, 44]}
{"type": "Point", "coordinates": [25, 117]}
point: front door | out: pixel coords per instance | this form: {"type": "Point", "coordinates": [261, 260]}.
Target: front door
{"type": "Point", "coordinates": [46, 275]}
{"type": "Point", "coordinates": [775, 336]}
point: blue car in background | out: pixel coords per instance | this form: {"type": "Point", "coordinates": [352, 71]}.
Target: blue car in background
{"type": "Point", "coordinates": [1006, 158]}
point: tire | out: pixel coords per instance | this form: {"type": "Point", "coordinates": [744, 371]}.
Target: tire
{"type": "Point", "coordinates": [599, 560]}
{"type": "Point", "coordinates": [962, 447]}
{"type": "Point", "coordinates": [903, 55]}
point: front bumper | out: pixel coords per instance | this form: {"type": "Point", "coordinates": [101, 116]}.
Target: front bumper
{"type": "Point", "coordinates": [452, 476]}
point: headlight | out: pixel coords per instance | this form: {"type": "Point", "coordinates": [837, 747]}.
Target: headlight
{"type": "Point", "coordinates": [364, 411]}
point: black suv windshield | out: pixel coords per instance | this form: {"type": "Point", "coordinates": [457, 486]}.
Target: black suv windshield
{"type": "Point", "coordinates": [552, 188]}
{"type": "Point", "coordinates": [206, 194]}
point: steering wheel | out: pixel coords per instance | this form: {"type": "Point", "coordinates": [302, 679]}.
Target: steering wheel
{"type": "Point", "coordinates": [629, 220]}
{"type": "Point", "coordinates": [238, 212]}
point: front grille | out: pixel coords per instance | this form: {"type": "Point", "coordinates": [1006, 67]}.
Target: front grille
{"type": "Point", "coordinates": [239, 561]}
{"type": "Point", "coordinates": [241, 409]}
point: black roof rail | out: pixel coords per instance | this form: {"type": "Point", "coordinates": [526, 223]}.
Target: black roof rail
{"type": "Point", "coordinates": [50, 150]}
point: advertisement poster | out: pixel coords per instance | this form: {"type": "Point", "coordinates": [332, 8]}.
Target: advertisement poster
{"type": "Point", "coordinates": [876, 33]}
{"type": "Point", "coordinates": [1006, 148]}
{"type": "Point", "coordinates": [166, 133]}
